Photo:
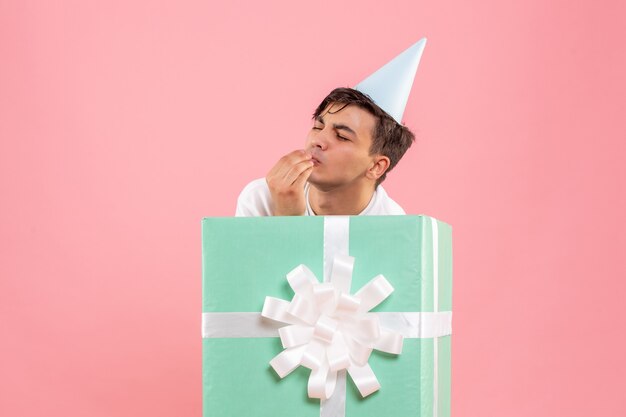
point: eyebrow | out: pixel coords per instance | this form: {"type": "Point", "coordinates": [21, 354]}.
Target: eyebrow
{"type": "Point", "coordinates": [344, 127]}
{"type": "Point", "coordinates": [338, 126]}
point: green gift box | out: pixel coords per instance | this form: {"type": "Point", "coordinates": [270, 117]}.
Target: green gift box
{"type": "Point", "coordinates": [247, 259]}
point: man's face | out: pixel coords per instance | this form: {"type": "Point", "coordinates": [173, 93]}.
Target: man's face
{"type": "Point", "coordinates": [340, 141]}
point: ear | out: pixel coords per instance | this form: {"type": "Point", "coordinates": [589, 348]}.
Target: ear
{"type": "Point", "coordinates": [380, 164]}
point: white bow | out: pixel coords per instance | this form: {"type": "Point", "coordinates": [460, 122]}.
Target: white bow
{"type": "Point", "coordinates": [330, 329]}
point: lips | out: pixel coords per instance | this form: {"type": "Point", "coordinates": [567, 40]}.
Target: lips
{"type": "Point", "coordinates": [315, 157]}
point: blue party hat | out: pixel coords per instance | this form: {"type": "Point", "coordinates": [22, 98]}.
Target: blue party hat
{"type": "Point", "coordinates": [390, 86]}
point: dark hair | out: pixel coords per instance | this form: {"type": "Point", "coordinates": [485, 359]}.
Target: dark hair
{"type": "Point", "coordinates": [389, 138]}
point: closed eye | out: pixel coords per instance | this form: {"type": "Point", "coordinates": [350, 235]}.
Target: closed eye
{"type": "Point", "coordinates": [318, 125]}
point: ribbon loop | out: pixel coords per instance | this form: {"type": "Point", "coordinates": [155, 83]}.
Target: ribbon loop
{"type": "Point", "coordinates": [338, 355]}
{"type": "Point", "coordinates": [322, 383]}
{"type": "Point", "coordinates": [390, 342]}
{"type": "Point", "coordinates": [276, 309]}
{"type": "Point", "coordinates": [368, 328]}
{"type": "Point", "coordinates": [287, 360]}
{"type": "Point", "coordinates": [314, 355]}
{"type": "Point", "coordinates": [295, 335]}
{"type": "Point", "coordinates": [301, 279]}
{"type": "Point", "coordinates": [364, 379]}
{"type": "Point", "coordinates": [302, 308]}
{"type": "Point", "coordinates": [347, 304]}
{"type": "Point", "coordinates": [359, 353]}
{"type": "Point", "coordinates": [374, 292]}
{"type": "Point", "coordinates": [325, 329]}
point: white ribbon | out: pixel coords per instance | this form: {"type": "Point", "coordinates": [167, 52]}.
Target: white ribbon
{"type": "Point", "coordinates": [411, 325]}
{"type": "Point", "coordinates": [435, 231]}
{"type": "Point", "coordinates": [330, 330]}
{"type": "Point", "coordinates": [336, 242]}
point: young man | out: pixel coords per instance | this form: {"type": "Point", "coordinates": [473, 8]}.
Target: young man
{"type": "Point", "coordinates": [347, 154]}
{"type": "Point", "coordinates": [356, 138]}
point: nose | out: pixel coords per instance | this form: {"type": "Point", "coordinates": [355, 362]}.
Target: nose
{"type": "Point", "coordinates": [319, 139]}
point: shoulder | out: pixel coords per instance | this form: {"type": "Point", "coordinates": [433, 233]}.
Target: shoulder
{"type": "Point", "coordinates": [384, 205]}
{"type": "Point", "coordinates": [254, 200]}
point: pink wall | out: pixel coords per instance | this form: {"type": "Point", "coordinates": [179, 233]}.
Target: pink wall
{"type": "Point", "coordinates": [122, 126]}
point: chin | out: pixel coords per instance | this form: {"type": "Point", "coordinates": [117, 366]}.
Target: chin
{"type": "Point", "coordinates": [315, 180]}
{"type": "Point", "coordinates": [322, 183]}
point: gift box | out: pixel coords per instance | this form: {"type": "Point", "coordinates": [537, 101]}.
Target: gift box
{"type": "Point", "coordinates": [247, 259]}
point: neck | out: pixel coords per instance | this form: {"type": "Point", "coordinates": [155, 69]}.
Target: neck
{"type": "Point", "coordinates": [345, 201]}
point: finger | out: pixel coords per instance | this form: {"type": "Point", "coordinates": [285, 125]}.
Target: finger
{"type": "Point", "coordinates": [299, 182]}
{"type": "Point", "coordinates": [288, 162]}
{"type": "Point", "coordinates": [296, 157]}
{"type": "Point", "coordinates": [284, 164]}
{"type": "Point", "coordinates": [297, 170]}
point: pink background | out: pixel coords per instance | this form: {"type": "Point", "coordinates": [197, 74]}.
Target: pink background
{"type": "Point", "coordinates": [122, 125]}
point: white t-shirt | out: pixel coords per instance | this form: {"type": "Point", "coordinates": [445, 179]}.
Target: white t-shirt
{"type": "Point", "coordinates": [255, 200]}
